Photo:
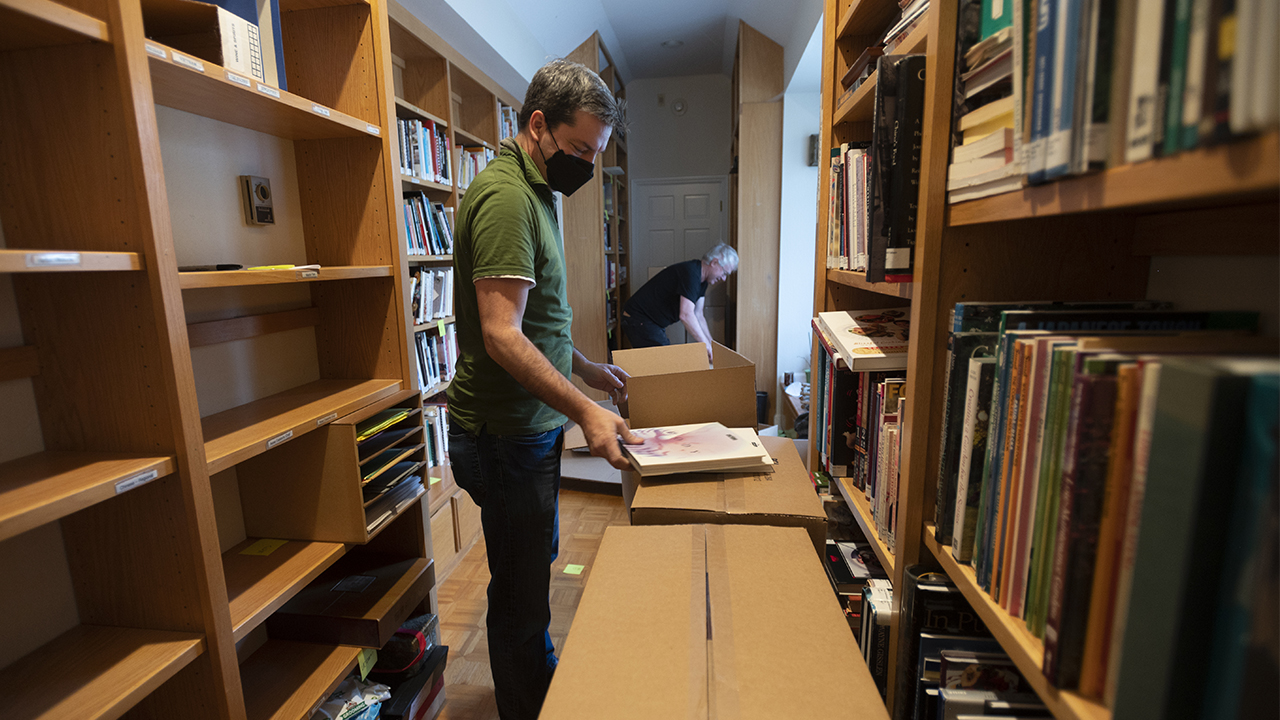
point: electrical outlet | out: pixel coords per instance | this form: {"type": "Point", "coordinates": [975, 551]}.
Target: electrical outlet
{"type": "Point", "coordinates": [255, 192]}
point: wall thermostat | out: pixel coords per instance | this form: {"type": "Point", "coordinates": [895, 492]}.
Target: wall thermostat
{"type": "Point", "coordinates": [256, 194]}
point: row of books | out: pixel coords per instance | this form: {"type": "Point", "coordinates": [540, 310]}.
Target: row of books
{"type": "Point", "coordinates": [436, 356]}
{"type": "Point", "coordinates": [874, 187]}
{"type": "Point", "coordinates": [1089, 84]}
{"type": "Point", "coordinates": [436, 416]}
{"type": "Point", "coordinates": [424, 149]}
{"type": "Point", "coordinates": [508, 122]}
{"type": "Point", "coordinates": [471, 160]}
{"type": "Point", "coordinates": [430, 294]}
{"type": "Point", "coordinates": [1071, 435]}
{"type": "Point", "coordinates": [428, 225]}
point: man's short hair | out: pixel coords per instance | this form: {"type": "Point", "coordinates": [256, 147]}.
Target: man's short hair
{"type": "Point", "coordinates": [562, 87]}
{"type": "Point", "coordinates": [723, 254]}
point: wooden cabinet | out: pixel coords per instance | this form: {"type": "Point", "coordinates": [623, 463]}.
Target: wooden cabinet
{"type": "Point", "coordinates": [1103, 236]}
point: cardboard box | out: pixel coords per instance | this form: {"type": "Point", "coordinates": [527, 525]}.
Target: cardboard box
{"type": "Point", "coordinates": [362, 599]}
{"type": "Point", "coordinates": [783, 498]}
{"type": "Point", "coordinates": [709, 622]}
{"type": "Point", "coordinates": [674, 385]}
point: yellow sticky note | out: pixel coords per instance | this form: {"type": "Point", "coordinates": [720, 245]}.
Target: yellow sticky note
{"type": "Point", "coordinates": [264, 547]}
{"type": "Point", "coordinates": [440, 326]}
{"type": "Point", "coordinates": [434, 480]}
{"type": "Point", "coordinates": [368, 657]}
{"type": "Point", "coordinates": [574, 569]}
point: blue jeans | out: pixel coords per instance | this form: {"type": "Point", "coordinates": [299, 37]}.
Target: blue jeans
{"type": "Point", "coordinates": [516, 482]}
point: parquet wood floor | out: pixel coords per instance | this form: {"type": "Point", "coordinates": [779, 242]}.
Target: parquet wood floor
{"type": "Point", "coordinates": [462, 603]}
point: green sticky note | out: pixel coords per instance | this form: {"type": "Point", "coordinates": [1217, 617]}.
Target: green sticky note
{"type": "Point", "coordinates": [440, 326]}
{"type": "Point", "coordinates": [263, 547]}
{"type": "Point", "coordinates": [368, 657]}
{"type": "Point", "coordinates": [574, 569]}
{"type": "Point", "coordinates": [434, 480]}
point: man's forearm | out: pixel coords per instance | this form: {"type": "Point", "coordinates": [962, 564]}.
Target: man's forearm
{"type": "Point", "coordinates": [519, 357]}
{"type": "Point", "coordinates": [696, 329]}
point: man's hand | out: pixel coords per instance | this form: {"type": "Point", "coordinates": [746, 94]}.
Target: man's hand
{"type": "Point", "coordinates": [607, 378]}
{"type": "Point", "coordinates": [602, 429]}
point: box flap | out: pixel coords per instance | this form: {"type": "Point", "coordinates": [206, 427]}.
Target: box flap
{"type": "Point", "coordinates": [807, 665]}
{"type": "Point", "coordinates": [638, 644]}
{"type": "Point", "coordinates": [642, 362]}
{"type": "Point", "coordinates": [723, 357]}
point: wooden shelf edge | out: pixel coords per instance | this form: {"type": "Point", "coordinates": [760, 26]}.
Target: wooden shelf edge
{"type": "Point", "coordinates": [50, 485]}
{"type": "Point", "coordinates": [857, 502]}
{"type": "Point", "coordinates": [420, 113]}
{"type": "Point", "coordinates": [286, 680]}
{"type": "Point", "coordinates": [97, 671]}
{"type": "Point", "coordinates": [57, 25]}
{"type": "Point", "coordinates": [422, 259]}
{"type": "Point", "coordinates": [435, 324]}
{"type": "Point", "coordinates": [239, 278]}
{"type": "Point", "coordinates": [1026, 650]}
{"type": "Point", "coordinates": [184, 82]}
{"type": "Point", "coordinates": [1241, 168]}
{"type": "Point", "coordinates": [42, 261]}
{"type": "Point", "coordinates": [425, 184]}
{"type": "Point", "coordinates": [473, 139]}
{"type": "Point", "coordinates": [436, 389]}
{"type": "Point", "coordinates": [859, 280]}
{"type": "Point", "coordinates": [238, 434]}
{"type": "Point", "coordinates": [857, 106]}
{"type": "Point", "coordinates": [257, 585]}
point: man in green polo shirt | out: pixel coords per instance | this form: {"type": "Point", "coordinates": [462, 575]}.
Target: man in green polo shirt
{"type": "Point", "coordinates": [511, 395]}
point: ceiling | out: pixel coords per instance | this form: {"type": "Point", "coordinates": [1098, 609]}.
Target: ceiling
{"type": "Point", "coordinates": [530, 33]}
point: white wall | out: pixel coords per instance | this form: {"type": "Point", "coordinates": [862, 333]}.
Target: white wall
{"type": "Point", "coordinates": [799, 229]}
{"type": "Point", "coordinates": [661, 144]}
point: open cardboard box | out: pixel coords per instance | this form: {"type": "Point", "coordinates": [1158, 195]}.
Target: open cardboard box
{"type": "Point", "coordinates": [708, 622]}
{"type": "Point", "coordinates": [783, 498]}
{"type": "Point", "coordinates": [674, 385]}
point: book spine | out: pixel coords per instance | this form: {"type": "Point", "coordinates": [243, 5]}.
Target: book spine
{"type": "Point", "coordinates": [1042, 92]}
{"type": "Point", "coordinates": [842, 422]}
{"type": "Point", "coordinates": [973, 453]}
{"type": "Point", "coordinates": [1009, 501]}
{"type": "Point", "coordinates": [1197, 75]}
{"type": "Point", "coordinates": [1027, 479]}
{"type": "Point", "coordinates": [1047, 494]}
{"type": "Point", "coordinates": [882, 133]}
{"type": "Point", "coordinates": [1095, 135]}
{"type": "Point", "coordinates": [1178, 59]}
{"type": "Point", "coordinates": [1144, 80]}
{"type": "Point", "coordinates": [1065, 61]}
{"type": "Point", "coordinates": [908, 145]}
{"type": "Point", "coordinates": [1215, 126]}
{"type": "Point", "coordinates": [1083, 480]}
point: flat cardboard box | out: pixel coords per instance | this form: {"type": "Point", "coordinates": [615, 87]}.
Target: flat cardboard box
{"type": "Point", "coordinates": [362, 599]}
{"type": "Point", "coordinates": [709, 622]}
{"type": "Point", "coordinates": [783, 498]}
{"type": "Point", "coordinates": [674, 385]}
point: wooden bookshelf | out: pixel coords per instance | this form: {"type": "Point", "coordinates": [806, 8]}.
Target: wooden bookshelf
{"type": "Point", "coordinates": [235, 435]}
{"type": "Point", "coordinates": [96, 671]}
{"type": "Point", "coordinates": [1026, 650]}
{"type": "Point", "coordinates": [467, 139]}
{"type": "Point", "coordinates": [286, 680]}
{"type": "Point", "coordinates": [41, 261]}
{"type": "Point", "coordinates": [849, 278]}
{"type": "Point", "coordinates": [49, 485]}
{"type": "Point", "coordinates": [426, 259]}
{"type": "Point", "coordinates": [1231, 172]}
{"type": "Point", "coordinates": [418, 182]}
{"type": "Point", "coordinates": [435, 324]}
{"type": "Point", "coordinates": [858, 105]}
{"type": "Point", "coordinates": [242, 278]}
{"type": "Point", "coordinates": [861, 509]}
{"type": "Point", "coordinates": [258, 584]}
{"type": "Point", "coordinates": [203, 88]}
{"type": "Point", "coordinates": [44, 23]}
{"type": "Point", "coordinates": [404, 108]}
{"type": "Point", "coordinates": [859, 15]}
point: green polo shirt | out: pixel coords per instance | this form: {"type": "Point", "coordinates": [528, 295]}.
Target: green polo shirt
{"type": "Point", "coordinates": [507, 227]}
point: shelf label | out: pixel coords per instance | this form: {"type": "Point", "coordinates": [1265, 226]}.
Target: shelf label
{"type": "Point", "coordinates": [51, 259]}
{"type": "Point", "coordinates": [279, 439]}
{"type": "Point", "coordinates": [264, 547]}
{"type": "Point", "coordinates": [185, 61]}
{"type": "Point", "coordinates": [326, 419]}
{"type": "Point", "coordinates": [138, 480]}
{"type": "Point", "coordinates": [308, 274]}
{"type": "Point", "coordinates": [268, 90]}
{"type": "Point", "coordinates": [153, 49]}
{"type": "Point", "coordinates": [368, 657]}
{"type": "Point", "coordinates": [239, 80]}
{"type": "Point", "coordinates": [372, 129]}
{"type": "Point", "coordinates": [320, 110]}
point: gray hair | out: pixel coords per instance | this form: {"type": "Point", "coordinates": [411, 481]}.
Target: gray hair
{"type": "Point", "coordinates": [562, 87]}
{"type": "Point", "coordinates": [723, 254]}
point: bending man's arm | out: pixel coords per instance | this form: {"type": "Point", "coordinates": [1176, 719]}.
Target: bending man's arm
{"type": "Point", "coordinates": [691, 316]}
{"type": "Point", "coordinates": [501, 303]}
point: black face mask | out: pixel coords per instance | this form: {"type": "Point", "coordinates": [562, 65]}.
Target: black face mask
{"type": "Point", "coordinates": [566, 173]}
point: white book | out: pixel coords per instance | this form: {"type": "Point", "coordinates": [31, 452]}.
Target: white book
{"type": "Point", "coordinates": [1244, 64]}
{"type": "Point", "coordinates": [698, 447]}
{"type": "Point", "coordinates": [869, 340]}
{"type": "Point", "coordinates": [972, 415]}
{"type": "Point", "coordinates": [987, 189]}
{"type": "Point", "coordinates": [1197, 60]}
{"type": "Point", "coordinates": [978, 166]}
{"type": "Point", "coordinates": [1144, 81]}
{"type": "Point", "coordinates": [241, 45]}
{"type": "Point", "coordinates": [1004, 171]}
{"type": "Point", "coordinates": [997, 142]}
{"type": "Point", "coordinates": [1264, 95]}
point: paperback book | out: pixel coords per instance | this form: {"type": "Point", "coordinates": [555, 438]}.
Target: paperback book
{"type": "Point", "coordinates": [699, 447]}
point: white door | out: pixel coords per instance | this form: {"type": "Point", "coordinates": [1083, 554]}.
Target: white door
{"type": "Point", "coordinates": [677, 219]}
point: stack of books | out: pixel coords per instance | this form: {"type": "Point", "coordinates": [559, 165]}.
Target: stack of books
{"type": "Point", "coordinates": [699, 447]}
{"type": "Point", "coordinates": [983, 163]}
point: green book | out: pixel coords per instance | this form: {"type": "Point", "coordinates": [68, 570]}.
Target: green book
{"type": "Point", "coordinates": [1177, 77]}
{"type": "Point", "coordinates": [996, 16]}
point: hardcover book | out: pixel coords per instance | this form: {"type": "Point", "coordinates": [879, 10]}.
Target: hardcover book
{"type": "Point", "coordinates": [699, 447]}
{"type": "Point", "coordinates": [870, 339]}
